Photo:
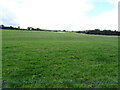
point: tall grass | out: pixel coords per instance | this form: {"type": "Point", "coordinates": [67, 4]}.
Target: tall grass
{"type": "Point", "coordinates": [33, 59]}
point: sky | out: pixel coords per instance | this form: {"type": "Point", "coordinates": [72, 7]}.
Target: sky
{"type": "Point", "coordinates": [72, 15]}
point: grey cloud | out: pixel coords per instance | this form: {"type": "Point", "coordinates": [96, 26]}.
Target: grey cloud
{"type": "Point", "coordinates": [7, 17]}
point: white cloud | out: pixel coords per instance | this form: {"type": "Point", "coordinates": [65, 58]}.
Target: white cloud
{"type": "Point", "coordinates": [57, 14]}
{"type": "Point", "coordinates": [54, 14]}
{"type": "Point", "coordinates": [106, 20]}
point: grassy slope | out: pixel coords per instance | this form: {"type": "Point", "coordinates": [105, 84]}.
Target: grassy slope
{"type": "Point", "coordinates": [30, 56]}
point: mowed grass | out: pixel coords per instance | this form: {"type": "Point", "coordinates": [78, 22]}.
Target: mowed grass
{"type": "Point", "coordinates": [38, 59]}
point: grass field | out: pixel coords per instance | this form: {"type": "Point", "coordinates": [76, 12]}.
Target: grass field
{"type": "Point", "coordinates": [38, 59]}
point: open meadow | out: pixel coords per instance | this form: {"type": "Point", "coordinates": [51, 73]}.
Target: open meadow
{"type": "Point", "coordinates": [39, 59]}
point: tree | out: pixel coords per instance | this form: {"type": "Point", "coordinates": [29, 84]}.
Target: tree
{"type": "Point", "coordinates": [11, 27]}
{"type": "Point", "coordinates": [18, 27]}
{"type": "Point", "coordinates": [1, 26]}
{"type": "Point", "coordinates": [29, 28]}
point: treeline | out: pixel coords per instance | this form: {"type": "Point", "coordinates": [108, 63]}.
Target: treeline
{"type": "Point", "coordinates": [28, 28]}
{"type": "Point", "coordinates": [95, 32]}
{"type": "Point", "coordinates": [100, 32]}
{"type": "Point", "coordinates": [9, 27]}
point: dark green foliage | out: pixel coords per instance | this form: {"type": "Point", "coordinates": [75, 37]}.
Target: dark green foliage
{"type": "Point", "coordinates": [28, 28]}
{"type": "Point", "coordinates": [99, 32]}
{"type": "Point", "coordinates": [95, 32]}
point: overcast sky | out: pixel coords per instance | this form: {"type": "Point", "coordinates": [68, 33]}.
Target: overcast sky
{"type": "Point", "coordinates": [60, 14]}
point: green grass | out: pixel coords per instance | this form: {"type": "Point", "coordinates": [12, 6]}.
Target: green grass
{"type": "Point", "coordinates": [33, 59]}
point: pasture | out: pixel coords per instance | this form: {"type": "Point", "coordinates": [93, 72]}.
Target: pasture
{"type": "Point", "coordinates": [39, 59]}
